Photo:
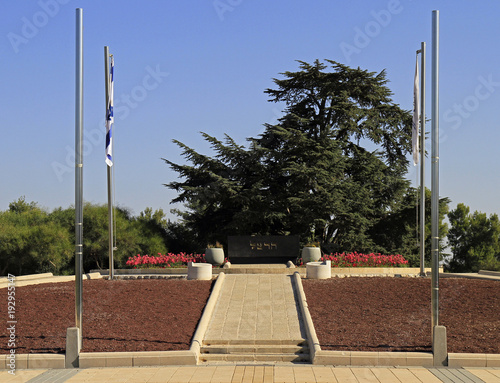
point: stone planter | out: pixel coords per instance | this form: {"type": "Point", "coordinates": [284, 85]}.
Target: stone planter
{"type": "Point", "coordinates": [214, 255]}
{"type": "Point", "coordinates": [319, 270]}
{"type": "Point", "coordinates": [311, 254]}
{"type": "Point", "coordinates": [200, 271]}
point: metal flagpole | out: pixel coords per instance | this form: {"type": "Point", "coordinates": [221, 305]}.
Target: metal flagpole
{"type": "Point", "coordinates": [435, 169]}
{"type": "Point", "coordinates": [79, 170]}
{"type": "Point", "coordinates": [439, 341]}
{"type": "Point", "coordinates": [110, 193]}
{"type": "Point", "coordinates": [422, 159]}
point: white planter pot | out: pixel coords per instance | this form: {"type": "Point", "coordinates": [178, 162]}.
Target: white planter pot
{"type": "Point", "coordinates": [319, 270]}
{"type": "Point", "coordinates": [311, 254]}
{"type": "Point", "coordinates": [200, 271]}
{"type": "Point", "coordinates": [214, 255]}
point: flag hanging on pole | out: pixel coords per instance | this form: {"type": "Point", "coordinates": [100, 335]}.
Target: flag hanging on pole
{"type": "Point", "coordinates": [416, 116]}
{"type": "Point", "coordinates": [109, 116]}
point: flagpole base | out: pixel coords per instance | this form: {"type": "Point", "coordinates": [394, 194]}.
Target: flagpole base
{"type": "Point", "coordinates": [439, 346]}
{"type": "Point", "coordinates": [73, 347]}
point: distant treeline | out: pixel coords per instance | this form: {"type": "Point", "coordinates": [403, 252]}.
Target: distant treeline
{"type": "Point", "coordinates": [33, 240]}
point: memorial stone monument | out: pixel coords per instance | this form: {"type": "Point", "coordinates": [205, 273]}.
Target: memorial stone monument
{"type": "Point", "coordinates": [254, 249]}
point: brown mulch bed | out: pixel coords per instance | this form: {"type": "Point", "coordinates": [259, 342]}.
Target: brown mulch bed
{"type": "Point", "coordinates": [357, 314]}
{"type": "Point", "coordinates": [120, 315]}
{"type": "Point", "coordinates": [394, 314]}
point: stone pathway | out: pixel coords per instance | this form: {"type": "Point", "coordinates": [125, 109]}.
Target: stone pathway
{"type": "Point", "coordinates": [256, 318]}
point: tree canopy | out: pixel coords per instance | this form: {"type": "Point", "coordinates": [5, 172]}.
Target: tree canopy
{"type": "Point", "coordinates": [332, 169]}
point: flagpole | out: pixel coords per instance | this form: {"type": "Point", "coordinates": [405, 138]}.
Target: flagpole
{"type": "Point", "coordinates": [79, 171]}
{"type": "Point", "coordinates": [422, 159]}
{"type": "Point", "coordinates": [439, 343]}
{"type": "Point", "coordinates": [109, 175]}
{"type": "Point", "coordinates": [435, 169]}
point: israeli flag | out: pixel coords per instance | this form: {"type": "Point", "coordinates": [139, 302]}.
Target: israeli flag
{"type": "Point", "coordinates": [416, 116]}
{"type": "Point", "coordinates": [109, 117]}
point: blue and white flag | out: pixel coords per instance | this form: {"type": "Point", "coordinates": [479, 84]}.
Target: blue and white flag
{"type": "Point", "coordinates": [416, 116]}
{"type": "Point", "coordinates": [109, 117]}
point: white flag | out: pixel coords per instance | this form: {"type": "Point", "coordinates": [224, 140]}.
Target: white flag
{"type": "Point", "coordinates": [416, 115]}
{"type": "Point", "coordinates": [109, 117]}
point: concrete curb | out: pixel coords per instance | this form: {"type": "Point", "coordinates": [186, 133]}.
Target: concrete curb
{"type": "Point", "coordinates": [28, 277]}
{"type": "Point", "coordinates": [136, 359]}
{"type": "Point", "coordinates": [490, 276]}
{"type": "Point", "coordinates": [369, 358]}
{"type": "Point", "coordinates": [473, 360]}
{"type": "Point", "coordinates": [33, 361]}
{"type": "Point", "coordinates": [490, 273]}
{"type": "Point", "coordinates": [35, 279]}
{"type": "Point", "coordinates": [312, 338]}
{"type": "Point", "coordinates": [202, 327]}
{"type": "Point", "coordinates": [261, 269]}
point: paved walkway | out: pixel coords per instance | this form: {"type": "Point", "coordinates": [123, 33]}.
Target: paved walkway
{"type": "Point", "coordinates": [256, 319]}
{"type": "Point", "coordinates": [255, 307]}
{"type": "Point", "coordinates": [265, 374]}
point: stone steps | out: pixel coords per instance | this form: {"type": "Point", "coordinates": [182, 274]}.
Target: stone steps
{"type": "Point", "coordinates": [243, 357]}
{"type": "Point", "coordinates": [234, 349]}
{"type": "Point", "coordinates": [256, 342]}
{"type": "Point", "coordinates": [266, 350]}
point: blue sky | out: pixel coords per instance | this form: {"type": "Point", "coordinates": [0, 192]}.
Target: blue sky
{"type": "Point", "coordinates": [182, 67]}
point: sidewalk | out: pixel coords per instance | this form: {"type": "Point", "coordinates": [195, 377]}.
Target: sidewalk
{"type": "Point", "coordinates": [265, 374]}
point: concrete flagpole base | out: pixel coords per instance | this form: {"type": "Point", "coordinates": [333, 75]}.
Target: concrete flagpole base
{"type": "Point", "coordinates": [73, 347]}
{"type": "Point", "coordinates": [439, 346]}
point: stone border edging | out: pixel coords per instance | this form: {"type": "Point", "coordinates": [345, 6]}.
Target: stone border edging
{"type": "Point", "coordinates": [482, 274]}
{"type": "Point", "coordinates": [29, 277]}
{"type": "Point", "coordinates": [33, 361]}
{"type": "Point", "coordinates": [136, 359]}
{"type": "Point", "coordinates": [312, 339]}
{"type": "Point", "coordinates": [380, 271]}
{"type": "Point", "coordinates": [35, 279]}
{"type": "Point", "coordinates": [258, 269]}
{"type": "Point", "coordinates": [202, 327]}
{"type": "Point", "coordinates": [374, 358]}
{"type": "Point", "coordinates": [490, 273]}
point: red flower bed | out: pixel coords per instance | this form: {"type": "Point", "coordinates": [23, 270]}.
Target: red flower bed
{"type": "Point", "coordinates": [365, 260]}
{"type": "Point", "coordinates": [164, 260]}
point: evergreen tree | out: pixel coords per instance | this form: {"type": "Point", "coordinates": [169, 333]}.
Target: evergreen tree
{"type": "Point", "coordinates": [329, 170]}
{"type": "Point", "coordinates": [397, 231]}
{"type": "Point", "coordinates": [474, 239]}
{"type": "Point", "coordinates": [221, 194]}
